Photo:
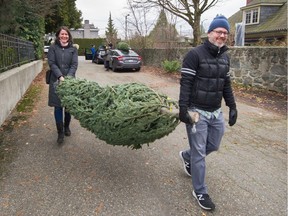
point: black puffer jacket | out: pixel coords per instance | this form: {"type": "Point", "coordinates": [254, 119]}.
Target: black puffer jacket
{"type": "Point", "coordinates": [205, 78]}
{"type": "Point", "coordinates": [63, 61]}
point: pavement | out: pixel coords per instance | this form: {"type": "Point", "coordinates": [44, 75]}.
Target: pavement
{"type": "Point", "coordinates": [86, 176]}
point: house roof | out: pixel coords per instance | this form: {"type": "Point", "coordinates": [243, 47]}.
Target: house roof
{"type": "Point", "coordinates": [277, 22]}
{"type": "Point", "coordinates": [235, 18]}
{"type": "Point", "coordinates": [253, 2]}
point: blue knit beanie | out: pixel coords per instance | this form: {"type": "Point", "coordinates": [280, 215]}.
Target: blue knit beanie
{"type": "Point", "coordinates": [219, 21]}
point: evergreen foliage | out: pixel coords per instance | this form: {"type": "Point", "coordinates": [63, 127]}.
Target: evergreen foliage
{"type": "Point", "coordinates": [123, 46]}
{"type": "Point", "coordinates": [111, 32]}
{"type": "Point", "coordinates": [8, 16]}
{"type": "Point", "coordinates": [27, 19]}
{"type": "Point", "coordinates": [171, 66]}
{"type": "Point", "coordinates": [163, 30]}
{"type": "Point", "coordinates": [127, 114]}
{"type": "Point", "coordinates": [63, 13]}
{"type": "Point", "coordinates": [26, 24]}
{"type": "Point", "coordinates": [32, 29]}
{"type": "Point", "coordinates": [85, 43]}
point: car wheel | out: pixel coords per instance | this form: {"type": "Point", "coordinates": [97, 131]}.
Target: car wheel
{"type": "Point", "coordinates": [97, 61]}
{"type": "Point", "coordinates": [138, 69]}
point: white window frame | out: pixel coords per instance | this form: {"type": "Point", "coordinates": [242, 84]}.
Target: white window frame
{"type": "Point", "coordinates": [252, 13]}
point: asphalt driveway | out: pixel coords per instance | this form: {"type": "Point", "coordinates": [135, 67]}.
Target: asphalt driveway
{"type": "Point", "coordinates": [86, 176]}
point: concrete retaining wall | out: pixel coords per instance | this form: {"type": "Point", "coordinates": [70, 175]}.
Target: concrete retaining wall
{"type": "Point", "coordinates": [13, 85]}
{"type": "Point", "coordinates": [264, 67]}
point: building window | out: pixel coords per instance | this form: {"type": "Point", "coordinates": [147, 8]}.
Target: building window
{"type": "Point", "coordinates": [252, 16]}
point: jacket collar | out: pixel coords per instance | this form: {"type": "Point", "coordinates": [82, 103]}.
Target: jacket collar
{"type": "Point", "coordinates": [213, 49]}
{"type": "Point", "coordinates": [59, 44]}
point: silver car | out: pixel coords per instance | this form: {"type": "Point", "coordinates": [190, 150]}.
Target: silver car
{"type": "Point", "coordinates": [46, 49]}
{"type": "Point", "coordinates": [124, 60]}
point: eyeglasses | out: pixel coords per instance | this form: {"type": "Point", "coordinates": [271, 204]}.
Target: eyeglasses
{"type": "Point", "coordinates": [219, 33]}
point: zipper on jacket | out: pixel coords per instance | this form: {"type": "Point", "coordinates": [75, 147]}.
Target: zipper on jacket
{"type": "Point", "coordinates": [218, 74]}
{"type": "Point", "coordinates": [63, 55]}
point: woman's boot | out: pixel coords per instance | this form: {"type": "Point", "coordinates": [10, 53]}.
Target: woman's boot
{"type": "Point", "coordinates": [67, 131]}
{"type": "Point", "coordinates": [60, 131]}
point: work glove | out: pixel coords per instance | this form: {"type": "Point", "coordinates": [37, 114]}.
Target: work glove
{"type": "Point", "coordinates": [184, 115]}
{"type": "Point", "coordinates": [232, 116]}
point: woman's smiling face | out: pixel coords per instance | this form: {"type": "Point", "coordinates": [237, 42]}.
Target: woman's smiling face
{"type": "Point", "coordinates": [63, 36]}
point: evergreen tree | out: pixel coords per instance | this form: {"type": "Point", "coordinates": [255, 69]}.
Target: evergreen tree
{"type": "Point", "coordinates": [27, 18]}
{"type": "Point", "coordinates": [111, 32]}
{"type": "Point", "coordinates": [7, 16]}
{"type": "Point", "coordinates": [163, 30]}
{"type": "Point", "coordinates": [63, 13]}
{"type": "Point", "coordinates": [24, 19]}
{"type": "Point", "coordinates": [31, 27]}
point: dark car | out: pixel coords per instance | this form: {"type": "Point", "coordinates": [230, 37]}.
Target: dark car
{"type": "Point", "coordinates": [124, 60]}
{"type": "Point", "coordinates": [88, 54]}
{"type": "Point", "coordinates": [99, 55]}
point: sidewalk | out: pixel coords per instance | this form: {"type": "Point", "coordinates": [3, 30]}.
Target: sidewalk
{"type": "Point", "coordinates": [247, 176]}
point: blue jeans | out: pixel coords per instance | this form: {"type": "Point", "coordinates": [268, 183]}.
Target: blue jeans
{"type": "Point", "coordinates": [207, 138]}
{"type": "Point", "coordinates": [58, 114]}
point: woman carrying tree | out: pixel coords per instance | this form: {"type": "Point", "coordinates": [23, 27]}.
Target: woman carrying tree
{"type": "Point", "coordinates": [63, 61]}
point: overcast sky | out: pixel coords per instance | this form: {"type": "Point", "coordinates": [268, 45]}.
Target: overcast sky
{"type": "Point", "coordinates": [97, 12]}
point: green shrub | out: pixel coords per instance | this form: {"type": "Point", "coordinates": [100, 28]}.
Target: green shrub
{"type": "Point", "coordinates": [171, 66]}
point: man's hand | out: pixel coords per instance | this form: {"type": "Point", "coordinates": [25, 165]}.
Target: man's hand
{"type": "Point", "coordinates": [232, 116]}
{"type": "Point", "coordinates": [184, 115]}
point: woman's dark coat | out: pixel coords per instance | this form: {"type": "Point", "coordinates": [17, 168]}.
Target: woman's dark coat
{"type": "Point", "coordinates": [63, 61]}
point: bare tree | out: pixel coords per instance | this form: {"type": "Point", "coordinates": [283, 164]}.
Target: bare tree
{"type": "Point", "coordinates": [141, 21]}
{"type": "Point", "coordinates": [188, 10]}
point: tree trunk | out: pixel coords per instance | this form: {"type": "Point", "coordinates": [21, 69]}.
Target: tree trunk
{"type": "Point", "coordinates": [196, 27]}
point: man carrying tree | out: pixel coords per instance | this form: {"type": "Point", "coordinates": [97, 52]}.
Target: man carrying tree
{"type": "Point", "coordinates": [205, 80]}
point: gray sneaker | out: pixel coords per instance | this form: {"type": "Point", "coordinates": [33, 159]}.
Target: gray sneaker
{"type": "Point", "coordinates": [204, 201]}
{"type": "Point", "coordinates": [186, 164]}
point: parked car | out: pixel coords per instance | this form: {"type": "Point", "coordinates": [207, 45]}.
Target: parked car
{"type": "Point", "coordinates": [125, 60]}
{"type": "Point", "coordinates": [99, 55]}
{"type": "Point", "coordinates": [88, 54]}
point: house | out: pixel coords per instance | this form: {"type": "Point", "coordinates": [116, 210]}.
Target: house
{"type": "Point", "coordinates": [87, 31]}
{"type": "Point", "coordinates": [264, 21]}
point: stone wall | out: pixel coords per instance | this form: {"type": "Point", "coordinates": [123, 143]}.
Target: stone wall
{"type": "Point", "coordinates": [261, 67]}
{"type": "Point", "coordinates": [264, 67]}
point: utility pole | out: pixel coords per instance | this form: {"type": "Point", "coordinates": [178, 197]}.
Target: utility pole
{"type": "Point", "coordinates": [126, 29]}
{"type": "Point", "coordinates": [202, 28]}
